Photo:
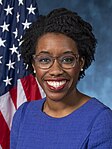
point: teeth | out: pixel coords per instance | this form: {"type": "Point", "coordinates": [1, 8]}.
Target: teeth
{"type": "Point", "coordinates": [56, 84]}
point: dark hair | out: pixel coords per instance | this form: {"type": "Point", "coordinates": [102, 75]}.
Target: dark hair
{"type": "Point", "coordinates": [62, 21]}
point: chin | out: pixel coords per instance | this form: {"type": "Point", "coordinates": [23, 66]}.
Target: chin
{"type": "Point", "coordinates": [57, 97]}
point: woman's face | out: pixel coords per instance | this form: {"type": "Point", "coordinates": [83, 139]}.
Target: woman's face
{"type": "Point", "coordinates": [58, 83]}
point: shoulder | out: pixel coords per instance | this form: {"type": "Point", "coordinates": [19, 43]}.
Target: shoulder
{"type": "Point", "coordinates": [92, 109]}
{"type": "Point", "coordinates": [95, 106]}
{"type": "Point", "coordinates": [27, 107]}
{"type": "Point", "coordinates": [19, 112]}
{"type": "Point", "coordinates": [16, 125]}
{"type": "Point", "coordinates": [98, 103]}
{"type": "Point", "coordinates": [101, 112]}
{"type": "Point", "coordinates": [20, 115]}
{"type": "Point", "coordinates": [101, 128]}
{"type": "Point", "coordinates": [104, 118]}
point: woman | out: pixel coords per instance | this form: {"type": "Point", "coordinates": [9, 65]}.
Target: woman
{"type": "Point", "coordinates": [59, 47]}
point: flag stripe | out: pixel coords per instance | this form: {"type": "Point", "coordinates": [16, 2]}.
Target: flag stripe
{"type": "Point", "coordinates": [21, 97]}
{"type": "Point", "coordinates": [1, 147]}
{"type": "Point", "coordinates": [7, 108]}
{"type": "Point", "coordinates": [13, 93]}
{"type": "Point", "coordinates": [42, 93]}
{"type": "Point", "coordinates": [4, 136]}
{"type": "Point", "coordinates": [29, 83]}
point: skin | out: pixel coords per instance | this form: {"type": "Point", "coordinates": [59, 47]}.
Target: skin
{"type": "Point", "coordinates": [59, 102]}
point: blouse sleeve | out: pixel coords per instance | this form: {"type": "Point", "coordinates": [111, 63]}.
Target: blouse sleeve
{"type": "Point", "coordinates": [101, 133]}
{"type": "Point", "coordinates": [17, 121]}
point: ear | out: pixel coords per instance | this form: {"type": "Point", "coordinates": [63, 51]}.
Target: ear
{"type": "Point", "coordinates": [82, 62]}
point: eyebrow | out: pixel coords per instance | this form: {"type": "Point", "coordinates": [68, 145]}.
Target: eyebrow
{"type": "Point", "coordinates": [45, 52]}
{"type": "Point", "coordinates": [65, 52]}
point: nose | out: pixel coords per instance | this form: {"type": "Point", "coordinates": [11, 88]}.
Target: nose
{"type": "Point", "coordinates": [56, 69]}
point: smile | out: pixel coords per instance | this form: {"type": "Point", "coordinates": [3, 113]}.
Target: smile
{"type": "Point", "coordinates": [56, 85]}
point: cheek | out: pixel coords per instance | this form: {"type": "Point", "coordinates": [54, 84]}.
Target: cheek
{"type": "Point", "coordinates": [74, 74]}
{"type": "Point", "coordinates": [39, 72]}
{"type": "Point", "coordinates": [39, 75]}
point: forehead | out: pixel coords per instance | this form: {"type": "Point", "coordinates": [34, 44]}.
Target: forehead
{"type": "Point", "coordinates": [56, 43]}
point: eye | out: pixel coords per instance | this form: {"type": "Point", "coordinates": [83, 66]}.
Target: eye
{"type": "Point", "coordinates": [44, 60]}
{"type": "Point", "coordinates": [68, 59]}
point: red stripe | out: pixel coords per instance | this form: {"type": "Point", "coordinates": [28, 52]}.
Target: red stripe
{"type": "Point", "coordinates": [13, 93]}
{"type": "Point", "coordinates": [4, 133]}
{"type": "Point", "coordinates": [31, 88]}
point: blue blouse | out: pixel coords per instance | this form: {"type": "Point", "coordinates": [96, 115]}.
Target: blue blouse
{"type": "Point", "coordinates": [89, 127]}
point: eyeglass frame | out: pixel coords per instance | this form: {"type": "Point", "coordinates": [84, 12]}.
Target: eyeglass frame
{"type": "Point", "coordinates": [58, 60]}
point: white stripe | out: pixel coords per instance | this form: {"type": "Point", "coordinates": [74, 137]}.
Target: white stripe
{"type": "Point", "coordinates": [7, 108]}
{"type": "Point", "coordinates": [41, 90]}
{"type": "Point", "coordinates": [0, 147]}
{"type": "Point", "coordinates": [21, 97]}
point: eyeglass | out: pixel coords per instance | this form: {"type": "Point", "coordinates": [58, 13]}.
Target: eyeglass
{"type": "Point", "coordinates": [66, 61]}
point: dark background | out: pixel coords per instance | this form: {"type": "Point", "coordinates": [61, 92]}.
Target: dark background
{"type": "Point", "coordinates": [98, 79]}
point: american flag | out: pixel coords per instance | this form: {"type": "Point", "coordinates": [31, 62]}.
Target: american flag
{"type": "Point", "coordinates": [16, 84]}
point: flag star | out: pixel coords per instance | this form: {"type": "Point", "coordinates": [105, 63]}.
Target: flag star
{"type": "Point", "coordinates": [2, 42]}
{"type": "Point", "coordinates": [10, 65]}
{"type": "Point", "coordinates": [26, 24]}
{"type": "Point", "coordinates": [18, 71]}
{"type": "Point", "coordinates": [14, 49]}
{"type": "Point", "coordinates": [31, 9]}
{"type": "Point", "coordinates": [17, 17]}
{"type": "Point", "coordinates": [5, 27]}
{"type": "Point", "coordinates": [16, 33]}
{"type": "Point", "coordinates": [1, 2]}
{"type": "Point", "coordinates": [1, 59]}
{"type": "Point", "coordinates": [20, 41]}
{"type": "Point", "coordinates": [19, 55]}
{"type": "Point", "coordinates": [8, 81]}
{"type": "Point", "coordinates": [26, 66]}
{"type": "Point", "coordinates": [8, 10]}
{"type": "Point", "coordinates": [20, 2]}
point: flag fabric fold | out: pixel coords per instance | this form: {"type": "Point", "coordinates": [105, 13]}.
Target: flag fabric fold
{"type": "Point", "coordinates": [16, 84]}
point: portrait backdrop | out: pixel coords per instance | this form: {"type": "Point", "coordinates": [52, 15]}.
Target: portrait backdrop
{"type": "Point", "coordinates": [17, 85]}
{"type": "Point", "coordinates": [98, 79]}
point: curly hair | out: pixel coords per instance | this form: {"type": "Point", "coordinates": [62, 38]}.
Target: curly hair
{"type": "Point", "coordinates": [62, 21]}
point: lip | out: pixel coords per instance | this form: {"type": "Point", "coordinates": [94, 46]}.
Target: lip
{"type": "Point", "coordinates": [56, 84]}
{"type": "Point", "coordinates": [56, 79]}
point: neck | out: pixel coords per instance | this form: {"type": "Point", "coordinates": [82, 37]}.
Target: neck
{"type": "Point", "coordinates": [64, 107]}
